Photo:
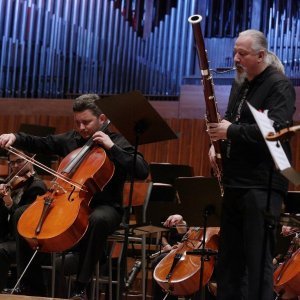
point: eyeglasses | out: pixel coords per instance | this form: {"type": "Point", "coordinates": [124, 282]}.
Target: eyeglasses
{"type": "Point", "coordinates": [17, 161]}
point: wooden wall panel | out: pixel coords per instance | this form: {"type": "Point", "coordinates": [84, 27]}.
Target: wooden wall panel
{"type": "Point", "coordinates": [190, 148]}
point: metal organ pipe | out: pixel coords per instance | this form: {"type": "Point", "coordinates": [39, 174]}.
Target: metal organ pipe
{"type": "Point", "coordinates": [189, 45]}
{"type": "Point", "coordinates": [133, 62]}
{"type": "Point", "coordinates": [115, 17]}
{"type": "Point", "coordinates": [124, 50]}
{"type": "Point", "coordinates": [63, 47]}
{"type": "Point", "coordinates": [52, 48]}
{"type": "Point", "coordinates": [118, 59]}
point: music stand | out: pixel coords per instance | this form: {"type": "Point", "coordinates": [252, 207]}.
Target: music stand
{"type": "Point", "coordinates": [196, 194]}
{"type": "Point", "coordinates": [200, 196]}
{"type": "Point", "coordinates": [139, 123]}
{"type": "Point", "coordinates": [167, 173]}
{"type": "Point", "coordinates": [134, 116]}
{"type": "Point", "coordinates": [163, 176]}
{"type": "Point", "coordinates": [292, 202]}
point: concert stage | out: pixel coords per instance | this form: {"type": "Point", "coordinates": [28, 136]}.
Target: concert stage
{"type": "Point", "coordinates": [20, 297]}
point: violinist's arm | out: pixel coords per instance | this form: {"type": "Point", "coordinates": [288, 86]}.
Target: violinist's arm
{"type": "Point", "coordinates": [165, 244]}
{"type": "Point", "coordinates": [8, 201]}
{"type": "Point", "coordinates": [5, 194]}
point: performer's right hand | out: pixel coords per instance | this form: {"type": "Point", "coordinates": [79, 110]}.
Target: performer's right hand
{"type": "Point", "coordinates": [289, 230]}
{"type": "Point", "coordinates": [174, 220]}
{"type": "Point", "coordinates": [7, 140]}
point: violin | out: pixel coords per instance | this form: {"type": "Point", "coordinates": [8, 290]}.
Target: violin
{"type": "Point", "coordinates": [178, 273]}
{"type": "Point", "coordinates": [19, 180]}
{"type": "Point", "coordinates": [15, 182]}
{"type": "Point", "coordinates": [283, 134]}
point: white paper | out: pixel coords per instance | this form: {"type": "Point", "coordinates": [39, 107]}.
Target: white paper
{"type": "Point", "coordinates": [280, 159]}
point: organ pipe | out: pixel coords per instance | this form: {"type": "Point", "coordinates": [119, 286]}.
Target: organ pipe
{"type": "Point", "coordinates": [56, 48]}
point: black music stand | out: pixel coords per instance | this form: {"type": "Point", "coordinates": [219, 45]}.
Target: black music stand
{"type": "Point", "coordinates": [167, 173]}
{"type": "Point", "coordinates": [197, 194]}
{"type": "Point", "coordinates": [200, 196]}
{"type": "Point", "coordinates": [292, 202]}
{"type": "Point", "coordinates": [163, 176]}
{"type": "Point", "coordinates": [135, 118]}
{"type": "Point", "coordinates": [139, 123]}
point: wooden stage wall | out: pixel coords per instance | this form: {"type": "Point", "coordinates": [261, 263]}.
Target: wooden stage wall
{"type": "Point", "coordinates": [190, 148]}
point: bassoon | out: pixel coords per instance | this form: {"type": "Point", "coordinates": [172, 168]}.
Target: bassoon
{"type": "Point", "coordinates": [212, 114]}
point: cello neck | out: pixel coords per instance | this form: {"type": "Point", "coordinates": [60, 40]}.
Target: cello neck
{"type": "Point", "coordinates": [87, 146]}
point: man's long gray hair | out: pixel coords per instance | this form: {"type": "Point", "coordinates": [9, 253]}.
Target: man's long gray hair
{"type": "Point", "coordinates": [260, 43]}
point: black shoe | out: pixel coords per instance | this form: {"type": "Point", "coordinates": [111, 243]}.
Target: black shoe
{"type": "Point", "coordinates": [80, 295]}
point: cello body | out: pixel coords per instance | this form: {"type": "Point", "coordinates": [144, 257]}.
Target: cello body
{"type": "Point", "coordinates": [184, 279]}
{"type": "Point", "coordinates": [57, 220]}
{"type": "Point", "coordinates": [287, 277]}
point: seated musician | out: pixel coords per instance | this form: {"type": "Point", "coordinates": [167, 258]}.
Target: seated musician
{"type": "Point", "coordinates": [289, 230]}
{"type": "Point", "coordinates": [20, 189]}
{"type": "Point", "coordinates": [106, 205]}
{"type": "Point", "coordinates": [177, 229]}
{"type": "Point", "coordinates": [289, 245]}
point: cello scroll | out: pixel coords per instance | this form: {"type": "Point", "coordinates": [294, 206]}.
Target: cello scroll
{"type": "Point", "coordinates": [283, 134]}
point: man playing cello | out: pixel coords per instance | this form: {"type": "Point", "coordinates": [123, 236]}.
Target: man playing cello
{"type": "Point", "coordinates": [106, 206]}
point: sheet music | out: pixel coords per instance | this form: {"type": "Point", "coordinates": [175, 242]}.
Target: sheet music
{"type": "Point", "coordinates": [280, 159]}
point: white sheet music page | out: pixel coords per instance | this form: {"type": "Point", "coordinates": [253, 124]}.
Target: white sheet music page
{"type": "Point", "coordinates": [280, 159]}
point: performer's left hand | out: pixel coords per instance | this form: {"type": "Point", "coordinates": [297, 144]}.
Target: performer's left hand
{"type": "Point", "coordinates": [218, 131]}
{"type": "Point", "coordinates": [103, 139]}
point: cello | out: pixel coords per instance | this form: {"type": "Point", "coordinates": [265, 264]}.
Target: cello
{"type": "Point", "coordinates": [178, 273]}
{"type": "Point", "coordinates": [287, 275]}
{"type": "Point", "coordinates": [57, 220]}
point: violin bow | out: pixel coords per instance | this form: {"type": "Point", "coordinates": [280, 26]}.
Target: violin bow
{"type": "Point", "coordinates": [43, 167]}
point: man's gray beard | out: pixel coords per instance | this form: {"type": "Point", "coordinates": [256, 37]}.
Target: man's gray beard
{"type": "Point", "coordinates": [240, 77]}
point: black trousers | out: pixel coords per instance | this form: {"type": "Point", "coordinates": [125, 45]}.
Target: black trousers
{"type": "Point", "coordinates": [7, 257]}
{"type": "Point", "coordinates": [244, 266]}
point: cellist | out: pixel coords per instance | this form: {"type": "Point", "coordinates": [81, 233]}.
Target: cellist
{"type": "Point", "coordinates": [178, 229]}
{"type": "Point", "coordinates": [106, 206]}
{"type": "Point", "coordinates": [176, 222]}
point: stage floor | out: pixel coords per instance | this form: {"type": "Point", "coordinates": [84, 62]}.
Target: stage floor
{"type": "Point", "coordinates": [20, 297]}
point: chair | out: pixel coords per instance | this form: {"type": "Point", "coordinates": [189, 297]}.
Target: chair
{"type": "Point", "coordinates": [140, 198]}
